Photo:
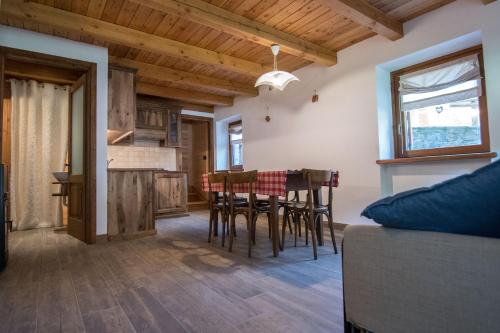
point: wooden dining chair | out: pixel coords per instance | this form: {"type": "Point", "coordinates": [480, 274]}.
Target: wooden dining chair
{"type": "Point", "coordinates": [312, 212]}
{"type": "Point", "coordinates": [217, 204]}
{"type": "Point", "coordinates": [251, 210]}
{"type": "Point", "coordinates": [291, 213]}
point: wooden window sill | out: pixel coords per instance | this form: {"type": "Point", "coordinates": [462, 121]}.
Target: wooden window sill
{"type": "Point", "coordinates": [411, 160]}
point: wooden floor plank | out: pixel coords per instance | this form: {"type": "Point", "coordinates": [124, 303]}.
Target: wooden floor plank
{"type": "Point", "coordinates": [172, 282]}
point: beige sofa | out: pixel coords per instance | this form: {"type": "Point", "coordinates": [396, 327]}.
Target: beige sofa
{"type": "Point", "coordinates": [416, 281]}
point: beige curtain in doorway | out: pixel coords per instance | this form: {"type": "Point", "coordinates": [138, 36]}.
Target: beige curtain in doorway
{"type": "Point", "coordinates": [39, 130]}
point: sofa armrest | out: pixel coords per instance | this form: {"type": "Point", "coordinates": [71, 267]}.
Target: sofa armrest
{"type": "Point", "coordinates": [416, 281]}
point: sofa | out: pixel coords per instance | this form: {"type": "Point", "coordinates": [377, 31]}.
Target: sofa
{"type": "Point", "coordinates": [419, 281]}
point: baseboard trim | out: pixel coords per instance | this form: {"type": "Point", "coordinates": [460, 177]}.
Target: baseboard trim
{"type": "Point", "coordinates": [101, 239]}
{"type": "Point", "coordinates": [339, 226]}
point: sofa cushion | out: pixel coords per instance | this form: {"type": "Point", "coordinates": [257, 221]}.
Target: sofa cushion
{"type": "Point", "coordinates": [469, 204]}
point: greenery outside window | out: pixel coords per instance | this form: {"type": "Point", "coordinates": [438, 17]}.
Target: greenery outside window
{"type": "Point", "coordinates": [440, 106]}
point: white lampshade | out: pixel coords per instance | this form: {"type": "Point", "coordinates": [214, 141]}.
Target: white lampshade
{"type": "Point", "coordinates": [276, 79]}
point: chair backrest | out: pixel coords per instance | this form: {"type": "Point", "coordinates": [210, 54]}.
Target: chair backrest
{"type": "Point", "coordinates": [245, 177]}
{"type": "Point", "coordinates": [217, 177]}
{"type": "Point", "coordinates": [316, 179]}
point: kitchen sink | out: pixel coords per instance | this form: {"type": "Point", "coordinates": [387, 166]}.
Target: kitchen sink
{"type": "Point", "coordinates": [61, 176]}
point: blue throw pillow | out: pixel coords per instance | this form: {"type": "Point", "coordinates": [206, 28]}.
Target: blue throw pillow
{"type": "Point", "coordinates": [469, 204]}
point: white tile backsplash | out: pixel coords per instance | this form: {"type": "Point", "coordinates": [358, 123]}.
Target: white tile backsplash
{"type": "Point", "coordinates": [143, 154]}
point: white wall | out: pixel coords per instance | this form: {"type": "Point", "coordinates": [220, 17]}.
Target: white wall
{"type": "Point", "coordinates": [32, 41]}
{"type": "Point", "coordinates": [341, 130]}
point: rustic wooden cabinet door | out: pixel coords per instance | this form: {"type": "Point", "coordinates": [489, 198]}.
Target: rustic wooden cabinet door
{"type": "Point", "coordinates": [130, 202]}
{"type": "Point", "coordinates": [151, 113]}
{"type": "Point", "coordinates": [174, 128]}
{"type": "Point", "coordinates": [121, 100]}
{"type": "Point", "coordinates": [170, 193]}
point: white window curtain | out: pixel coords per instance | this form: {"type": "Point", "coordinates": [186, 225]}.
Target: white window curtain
{"type": "Point", "coordinates": [39, 130]}
{"type": "Point", "coordinates": [434, 86]}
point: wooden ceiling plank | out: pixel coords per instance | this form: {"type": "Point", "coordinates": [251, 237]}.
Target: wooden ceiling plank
{"type": "Point", "coordinates": [289, 10]}
{"type": "Point", "coordinates": [141, 16]}
{"type": "Point", "coordinates": [63, 4]}
{"type": "Point", "coordinates": [80, 6]}
{"type": "Point", "coordinates": [312, 20]}
{"type": "Point", "coordinates": [127, 13]}
{"type": "Point", "coordinates": [121, 35]}
{"type": "Point", "coordinates": [153, 22]}
{"type": "Point", "coordinates": [95, 9]}
{"type": "Point", "coordinates": [259, 9]}
{"type": "Point", "coordinates": [328, 30]}
{"type": "Point", "coordinates": [415, 8]}
{"type": "Point", "coordinates": [369, 16]}
{"type": "Point", "coordinates": [277, 7]}
{"type": "Point", "coordinates": [183, 95]}
{"type": "Point", "coordinates": [112, 10]}
{"type": "Point", "coordinates": [245, 6]}
{"type": "Point", "coordinates": [298, 16]}
{"type": "Point", "coordinates": [167, 74]}
{"type": "Point", "coordinates": [201, 12]}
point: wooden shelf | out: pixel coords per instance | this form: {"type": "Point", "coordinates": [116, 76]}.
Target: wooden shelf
{"type": "Point", "coordinates": [412, 160]}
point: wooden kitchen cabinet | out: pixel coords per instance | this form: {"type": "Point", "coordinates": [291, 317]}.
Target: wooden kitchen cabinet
{"type": "Point", "coordinates": [158, 119]}
{"type": "Point", "coordinates": [151, 113]}
{"type": "Point", "coordinates": [130, 203]}
{"type": "Point", "coordinates": [121, 100]}
{"type": "Point", "coordinates": [174, 128]}
{"type": "Point", "coordinates": [170, 191]}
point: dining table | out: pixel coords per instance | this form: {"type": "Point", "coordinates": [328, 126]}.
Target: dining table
{"type": "Point", "coordinates": [276, 184]}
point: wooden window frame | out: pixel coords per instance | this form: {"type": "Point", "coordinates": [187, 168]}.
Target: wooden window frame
{"type": "Point", "coordinates": [231, 166]}
{"type": "Point", "coordinates": [399, 123]}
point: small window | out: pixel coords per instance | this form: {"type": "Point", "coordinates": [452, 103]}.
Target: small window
{"type": "Point", "coordinates": [440, 106]}
{"type": "Point", "coordinates": [236, 145]}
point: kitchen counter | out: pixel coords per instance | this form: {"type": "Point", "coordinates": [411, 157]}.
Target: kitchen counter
{"type": "Point", "coordinates": [138, 196]}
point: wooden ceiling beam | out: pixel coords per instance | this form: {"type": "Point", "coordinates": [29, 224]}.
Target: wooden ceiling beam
{"type": "Point", "coordinates": [488, 1]}
{"type": "Point", "coordinates": [162, 73]}
{"type": "Point", "coordinates": [197, 107]}
{"type": "Point", "coordinates": [183, 95]}
{"type": "Point", "coordinates": [39, 72]}
{"type": "Point", "coordinates": [361, 12]}
{"type": "Point", "coordinates": [71, 22]}
{"type": "Point", "coordinates": [218, 18]}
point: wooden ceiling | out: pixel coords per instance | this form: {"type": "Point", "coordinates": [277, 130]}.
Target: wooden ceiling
{"type": "Point", "coordinates": [208, 52]}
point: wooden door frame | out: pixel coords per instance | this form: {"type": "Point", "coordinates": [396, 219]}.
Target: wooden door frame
{"type": "Point", "coordinates": [211, 143]}
{"type": "Point", "coordinates": [90, 69]}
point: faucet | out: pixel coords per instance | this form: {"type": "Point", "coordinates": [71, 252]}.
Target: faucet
{"type": "Point", "coordinates": [109, 161]}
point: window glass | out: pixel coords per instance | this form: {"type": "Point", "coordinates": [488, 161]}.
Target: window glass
{"type": "Point", "coordinates": [440, 106]}
{"type": "Point", "coordinates": [442, 125]}
{"type": "Point", "coordinates": [236, 145]}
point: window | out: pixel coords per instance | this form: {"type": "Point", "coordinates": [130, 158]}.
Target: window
{"type": "Point", "coordinates": [440, 106]}
{"type": "Point", "coordinates": [235, 145]}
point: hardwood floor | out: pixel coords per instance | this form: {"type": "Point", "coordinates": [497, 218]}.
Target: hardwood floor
{"type": "Point", "coordinates": [172, 282]}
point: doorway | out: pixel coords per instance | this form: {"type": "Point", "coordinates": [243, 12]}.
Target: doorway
{"type": "Point", "coordinates": [71, 180]}
{"type": "Point", "coordinates": [195, 157]}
